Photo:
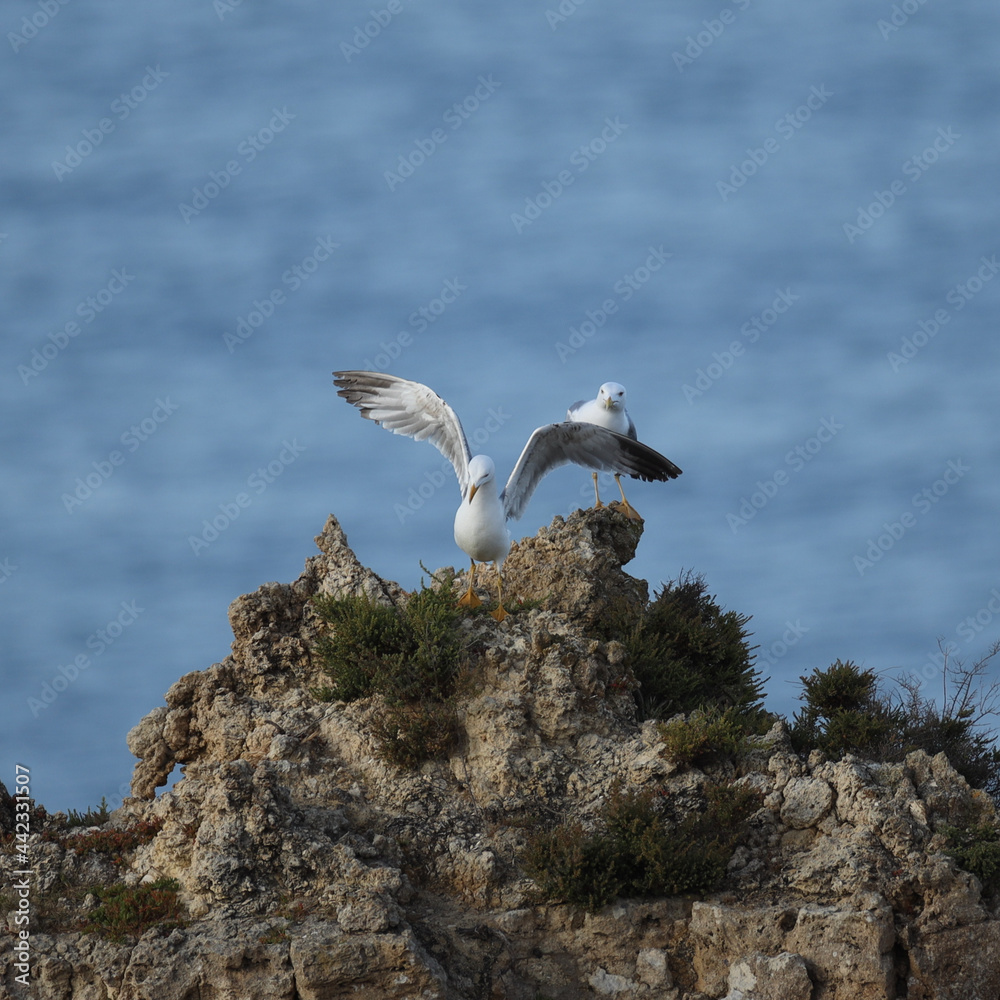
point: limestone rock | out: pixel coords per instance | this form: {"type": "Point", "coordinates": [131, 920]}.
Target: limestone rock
{"type": "Point", "coordinates": [575, 566]}
{"type": "Point", "coordinates": [758, 977]}
{"type": "Point", "coordinates": [308, 867]}
{"type": "Point", "coordinates": [806, 802]}
{"type": "Point", "coordinates": [847, 952]}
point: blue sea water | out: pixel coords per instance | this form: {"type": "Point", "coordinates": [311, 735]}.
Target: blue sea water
{"type": "Point", "coordinates": [775, 223]}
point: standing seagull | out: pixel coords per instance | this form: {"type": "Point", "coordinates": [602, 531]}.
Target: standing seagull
{"type": "Point", "coordinates": [416, 411]}
{"type": "Point", "coordinates": [608, 410]}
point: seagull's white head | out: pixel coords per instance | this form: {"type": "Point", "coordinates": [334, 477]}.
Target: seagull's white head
{"type": "Point", "coordinates": [612, 396]}
{"type": "Point", "coordinates": [481, 471]}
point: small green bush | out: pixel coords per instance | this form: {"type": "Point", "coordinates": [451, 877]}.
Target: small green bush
{"type": "Point", "coordinates": [706, 736]}
{"type": "Point", "coordinates": [365, 641]}
{"type": "Point", "coordinates": [569, 864]}
{"type": "Point", "coordinates": [402, 654]}
{"type": "Point", "coordinates": [409, 734]}
{"type": "Point", "coordinates": [92, 817]}
{"type": "Point", "coordinates": [636, 852]}
{"type": "Point", "coordinates": [434, 647]}
{"type": "Point", "coordinates": [410, 656]}
{"type": "Point", "coordinates": [977, 850]}
{"type": "Point", "coordinates": [125, 910]}
{"type": "Point", "coordinates": [687, 653]}
{"type": "Point", "coordinates": [846, 711]}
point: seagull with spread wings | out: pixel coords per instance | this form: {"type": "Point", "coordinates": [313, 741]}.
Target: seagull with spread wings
{"type": "Point", "coordinates": [608, 410]}
{"type": "Point", "coordinates": [414, 410]}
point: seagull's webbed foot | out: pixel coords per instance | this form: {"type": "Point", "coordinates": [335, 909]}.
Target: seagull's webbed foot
{"type": "Point", "coordinates": [630, 512]}
{"type": "Point", "coordinates": [626, 508]}
{"type": "Point", "coordinates": [470, 599]}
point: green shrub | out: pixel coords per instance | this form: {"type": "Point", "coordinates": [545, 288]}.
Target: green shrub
{"type": "Point", "coordinates": [841, 687]}
{"type": "Point", "coordinates": [410, 656]}
{"type": "Point", "coordinates": [687, 653]}
{"type": "Point", "coordinates": [636, 852]}
{"type": "Point", "coordinates": [705, 736]}
{"type": "Point", "coordinates": [569, 864]}
{"type": "Point", "coordinates": [92, 817]}
{"type": "Point", "coordinates": [846, 711]}
{"type": "Point", "coordinates": [125, 910]}
{"type": "Point", "coordinates": [409, 734]}
{"type": "Point", "coordinates": [365, 640]}
{"type": "Point", "coordinates": [977, 849]}
{"type": "Point", "coordinates": [434, 648]}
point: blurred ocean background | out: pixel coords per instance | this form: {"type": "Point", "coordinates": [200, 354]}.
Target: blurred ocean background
{"type": "Point", "coordinates": [775, 223]}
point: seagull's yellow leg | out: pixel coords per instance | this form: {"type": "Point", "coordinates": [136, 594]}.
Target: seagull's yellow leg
{"type": "Point", "coordinates": [628, 510]}
{"type": "Point", "coordinates": [499, 614]}
{"type": "Point", "coordinates": [469, 599]}
{"type": "Point", "coordinates": [597, 496]}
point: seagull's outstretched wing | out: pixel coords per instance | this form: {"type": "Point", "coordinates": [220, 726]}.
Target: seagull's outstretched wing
{"type": "Point", "coordinates": [583, 444]}
{"type": "Point", "coordinates": [409, 408]}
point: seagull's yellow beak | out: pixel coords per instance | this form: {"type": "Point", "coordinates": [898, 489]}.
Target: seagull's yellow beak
{"type": "Point", "coordinates": [472, 491]}
{"type": "Point", "coordinates": [608, 402]}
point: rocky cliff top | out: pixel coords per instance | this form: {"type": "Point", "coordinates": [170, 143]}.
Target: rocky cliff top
{"type": "Point", "coordinates": [294, 862]}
